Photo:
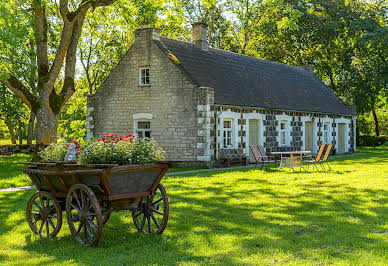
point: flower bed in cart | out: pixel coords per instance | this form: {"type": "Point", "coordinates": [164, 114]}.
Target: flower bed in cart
{"type": "Point", "coordinates": [91, 180]}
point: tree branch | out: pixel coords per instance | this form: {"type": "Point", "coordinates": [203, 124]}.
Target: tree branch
{"type": "Point", "coordinates": [63, 9]}
{"type": "Point", "coordinates": [41, 38]}
{"type": "Point", "coordinates": [18, 88]}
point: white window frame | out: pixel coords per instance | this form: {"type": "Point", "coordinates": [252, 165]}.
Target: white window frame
{"type": "Point", "coordinates": [143, 130]}
{"type": "Point", "coordinates": [326, 133]}
{"type": "Point", "coordinates": [227, 142]}
{"type": "Point", "coordinates": [283, 133]}
{"type": "Point", "coordinates": [143, 79]}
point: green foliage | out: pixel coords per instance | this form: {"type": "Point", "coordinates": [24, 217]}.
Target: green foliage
{"type": "Point", "coordinates": [146, 151]}
{"type": "Point", "coordinates": [372, 140]}
{"type": "Point", "coordinates": [136, 151]}
{"type": "Point", "coordinates": [53, 152]}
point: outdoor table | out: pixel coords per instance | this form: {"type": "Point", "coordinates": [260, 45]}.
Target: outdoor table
{"type": "Point", "coordinates": [290, 159]}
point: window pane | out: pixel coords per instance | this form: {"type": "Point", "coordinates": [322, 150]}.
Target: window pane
{"type": "Point", "coordinates": [147, 134]}
{"type": "Point", "coordinates": [147, 80]}
{"type": "Point", "coordinates": [227, 124]}
{"type": "Point", "coordinates": [283, 141]}
{"type": "Point", "coordinates": [143, 125]}
{"type": "Point", "coordinates": [140, 134]}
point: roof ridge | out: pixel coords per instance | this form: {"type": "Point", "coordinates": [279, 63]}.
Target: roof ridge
{"type": "Point", "coordinates": [238, 54]}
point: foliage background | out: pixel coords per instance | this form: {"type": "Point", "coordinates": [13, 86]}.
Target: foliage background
{"type": "Point", "coordinates": [345, 41]}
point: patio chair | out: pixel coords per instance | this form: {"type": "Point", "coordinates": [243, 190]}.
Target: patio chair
{"type": "Point", "coordinates": [261, 159]}
{"type": "Point", "coordinates": [317, 158]}
{"type": "Point", "coordinates": [324, 160]}
{"type": "Point", "coordinates": [258, 157]}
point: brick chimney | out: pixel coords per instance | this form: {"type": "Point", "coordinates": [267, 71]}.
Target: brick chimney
{"type": "Point", "coordinates": [200, 35]}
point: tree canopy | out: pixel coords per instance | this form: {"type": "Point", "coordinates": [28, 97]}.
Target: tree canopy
{"type": "Point", "coordinates": [41, 40]}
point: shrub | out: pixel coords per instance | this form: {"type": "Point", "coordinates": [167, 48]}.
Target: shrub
{"type": "Point", "coordinates": [371, 140]}
{"type": "Point", "coordinates": [122, 150]}
{"type": "Point", "coordinates": [54, 152]}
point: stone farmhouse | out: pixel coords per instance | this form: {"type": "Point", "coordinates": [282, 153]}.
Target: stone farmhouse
{"type": "Point", "coordinates": [196, 100]}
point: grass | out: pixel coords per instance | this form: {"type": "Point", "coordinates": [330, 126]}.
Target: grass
{"type": "Point", "coordinates": [11, 174]}
{"type": "Point", "coordinates": [235, 217]}
{"type": "Point", "coordinates": [8, 141]}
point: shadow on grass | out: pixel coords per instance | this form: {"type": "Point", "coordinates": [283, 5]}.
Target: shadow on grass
{"type": "Point", "coordinates": [311, 220]}
{"type": "Point", "coordinates": [260, 214]}
{"type": "Point", "coordinates": [11, 173]}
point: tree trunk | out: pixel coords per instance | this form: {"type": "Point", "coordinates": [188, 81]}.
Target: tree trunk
{"type": "Point", "coordinates": [377, 130]}
{"type": "Point", "coordinates": [20, 134]}
{"type": "Point", "coordinates": [31, 123]}
{"type": "Point", "coordinates": [46, 126]}
{"type": "Point", "coordinates": [11, 133]}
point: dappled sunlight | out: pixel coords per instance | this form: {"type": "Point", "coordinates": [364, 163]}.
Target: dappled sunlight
{"type": "Point", "coordinates": [233, 217]}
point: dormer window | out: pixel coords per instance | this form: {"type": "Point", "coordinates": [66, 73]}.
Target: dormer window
{"type": "Point", "coordinates": [144, 76]}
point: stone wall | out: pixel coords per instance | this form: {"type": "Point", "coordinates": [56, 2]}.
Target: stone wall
{"type": "Point", "coordinates": [179, 112]}
{"type": "Point", "coordinates": [270, 125]}
{"type": "Point", "coordinates": [11, 149]}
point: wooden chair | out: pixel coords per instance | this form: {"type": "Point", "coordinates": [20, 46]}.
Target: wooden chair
{"type": "Point", "coordinates": [324, 160]}
{"type": "Point", "coordinates": [317, 158]}
{"type": "Point", "coordinates": [263, 161]}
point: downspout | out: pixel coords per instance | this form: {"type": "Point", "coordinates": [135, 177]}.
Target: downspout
{"type": "Point", "coordinates": [215, 135]}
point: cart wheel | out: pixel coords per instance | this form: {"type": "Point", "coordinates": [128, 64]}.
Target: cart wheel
{"type": "Point", "coordinates": [84, 215]}
{"type": "Point", "coordinates": [152, 213]}
{"type": "Point", "coordinates": [44, 214]}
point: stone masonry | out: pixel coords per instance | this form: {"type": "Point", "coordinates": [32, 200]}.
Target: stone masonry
{"type": "Point", "coordinates": [181, 112]}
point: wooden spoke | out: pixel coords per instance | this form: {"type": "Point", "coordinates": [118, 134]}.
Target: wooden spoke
{"type": "Point", "coordinates": [143, 222]}
{"type": "Point", "coordinates": [51, 223]}
{"type": "Point", "coordinates": [80, 228]}
{"type": "Point", "coordinates": [158, 212]}
{"type": "Point", "coordinates": [47, 228]}
{"type": "Point", "coordinates": [84, 213]}
{"type": "Point", "coordinates": [147, 207]}
{"type": "Point", "coordinates": [157, 201]}
{"type": "Point", "coordinates": [37, 205]}
{"type": "Point", "coordinates": [89, 231]}
{"type": "Point", "coordinates": [156, 222]}
{"type": "Point", "coordinates": [77, 200]}
{"type": "Point", "coordinates": [92, 224]}
{"type": "Point", "coordinates": [41, 227]}
{"type": "Point", "coordinates": [74, 207]}
{"type": "Point", "coordinates": [149, 225]}
{"type": "Point", "coordinates": [43, 207]}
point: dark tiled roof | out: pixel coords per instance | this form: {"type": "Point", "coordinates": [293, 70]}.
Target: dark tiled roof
{"type": "Point", "coordinates": [248, 81]}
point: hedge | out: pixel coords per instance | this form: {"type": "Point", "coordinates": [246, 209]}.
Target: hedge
{"type": "Point", "coordinates": [372, 140]}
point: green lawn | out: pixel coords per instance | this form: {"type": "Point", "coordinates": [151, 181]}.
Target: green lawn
{"type": "Point", "coordinates": [11, 174]}
{"type": "Point", "coordinates": [8, 141]}
{"type": "Point", "coordinates": [235, 217]}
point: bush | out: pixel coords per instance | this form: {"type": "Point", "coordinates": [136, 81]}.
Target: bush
{"type": "Point", "coordinates": [371, 140]}
{"type": "Point", "coordinates": [122, 150]}
{"type": "Point", "coordinates": [54, 152]}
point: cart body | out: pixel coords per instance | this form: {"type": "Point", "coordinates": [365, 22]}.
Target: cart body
{"type": "Point", "coordinates": [102, 189]}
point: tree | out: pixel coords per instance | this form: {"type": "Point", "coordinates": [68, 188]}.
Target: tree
{"type": "Point", "coordinates": [55, 48]}
{"type": "Point", "coordinates": [12, 112]}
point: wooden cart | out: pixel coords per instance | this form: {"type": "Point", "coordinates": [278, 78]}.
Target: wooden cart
{"type": "Point", "coordinates": [89, 193]}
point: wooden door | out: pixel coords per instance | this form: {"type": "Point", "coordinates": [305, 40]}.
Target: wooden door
{"type": "Point", "coordinates": [341, 138]}
{"type": "Point", "coordinates": [253, 136]}
{"type": "Point", "coordinates": [309, 136]}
